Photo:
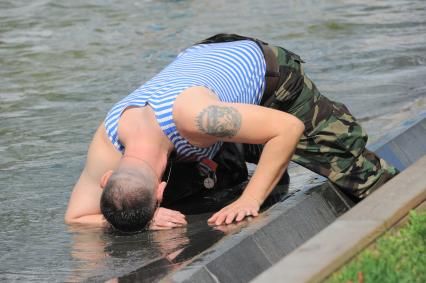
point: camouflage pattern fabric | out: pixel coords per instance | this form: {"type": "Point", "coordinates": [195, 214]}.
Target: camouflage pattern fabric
{"type": "Point", "coordinates": [333, 144]}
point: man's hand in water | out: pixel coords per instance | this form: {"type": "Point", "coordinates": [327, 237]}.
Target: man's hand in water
{"type": "Point", "coordinates": [237, 211]}
{"type": "Point", "coordinates": [166, 219]}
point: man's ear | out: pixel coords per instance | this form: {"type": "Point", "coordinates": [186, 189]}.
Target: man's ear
{"type": "Point", "coordinates": [105, 178]}
{"type": "Point", "coordinates": [160, 191]}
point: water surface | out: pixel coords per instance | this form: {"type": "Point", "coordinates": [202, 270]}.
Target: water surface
{"type": "Point", "coordinates": [63, 64]}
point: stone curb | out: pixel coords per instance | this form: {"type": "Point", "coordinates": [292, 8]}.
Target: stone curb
{"type": "Point", "coordinates": [268, 238]}
{"type": "Point", "coordinates": [321, 255]}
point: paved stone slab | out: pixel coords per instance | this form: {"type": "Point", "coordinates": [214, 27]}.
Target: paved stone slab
{"type": "Point", "coordinates": [329, 249]}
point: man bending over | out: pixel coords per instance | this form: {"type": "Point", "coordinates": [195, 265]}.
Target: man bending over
{"type": "Point", "coordinates": [227, 88]}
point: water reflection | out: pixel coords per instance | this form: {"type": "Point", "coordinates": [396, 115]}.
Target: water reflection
{"type": "Point", "coordinates": [155, 253]}
{"type": "Point", "coordinates": [199, 237]}
{"type": "Point", "coordinates": [88, 250]}
{"type": "Point", "coordinates": [161, 251]}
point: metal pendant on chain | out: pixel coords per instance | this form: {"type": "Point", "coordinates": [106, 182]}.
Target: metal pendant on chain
{"type": "Point", "coordinates": [210, 181]}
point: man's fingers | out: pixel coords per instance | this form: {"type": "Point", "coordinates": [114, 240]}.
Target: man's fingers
{"type": "Point", "coordinates": [156, 226]}
{"type": "Point", "coordinates": [166, 218]}
{"type": "Point", "coordinates": [170, 221]}
{"type": "Point", "coordinates": [167, 223]}
{"type": "Point", "coordinates": [230, 217]}
{"type": "Point", "coordinates": [241, 215]}
{"type": "Point", "coordinates": [170, 215]}
{"type": "Point", "coordinates": [220, 218]}
{"type": "Point", "coordinates": [232, 212]}
{"type": "Point", "coordinates": [213, 218]}
{"type": "Point", "coordinates": [180, 221]}
{"type": "Point", "coordinates": [176, 220]}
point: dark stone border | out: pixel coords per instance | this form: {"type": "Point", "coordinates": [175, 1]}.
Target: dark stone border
{"type": "Point", "coordinates": [268, 238]}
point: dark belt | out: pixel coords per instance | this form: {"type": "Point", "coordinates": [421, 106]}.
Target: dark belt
{"type": "Point", "coordinates": [272, 74]}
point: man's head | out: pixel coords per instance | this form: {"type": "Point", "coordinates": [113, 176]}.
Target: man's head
{"type": "Point", "coordinates": [130, 195]}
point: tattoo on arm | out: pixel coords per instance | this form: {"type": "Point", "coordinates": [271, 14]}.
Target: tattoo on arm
{"type": "Point", "coordinates": [219, 121]}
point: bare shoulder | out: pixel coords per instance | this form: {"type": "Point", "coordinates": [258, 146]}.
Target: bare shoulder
{"type": "Point", "coordinates": [101, 157]}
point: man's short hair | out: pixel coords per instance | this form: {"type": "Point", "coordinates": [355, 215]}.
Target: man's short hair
{"type": "Point", "coordinates": [128, 201]}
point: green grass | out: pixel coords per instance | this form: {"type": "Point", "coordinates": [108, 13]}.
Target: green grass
{"type": "Point", "coordinates": [397, 256]}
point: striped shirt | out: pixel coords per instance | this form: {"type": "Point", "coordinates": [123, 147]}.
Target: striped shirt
{"type": "Point", "coordinates": [234, 71]}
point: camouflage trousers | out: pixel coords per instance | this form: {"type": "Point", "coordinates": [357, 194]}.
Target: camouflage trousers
{"type": "Point", "coordinates": [333, 143]}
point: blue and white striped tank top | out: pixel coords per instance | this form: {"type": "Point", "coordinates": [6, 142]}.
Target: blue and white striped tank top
{"type": "Point", "coordinates": [234, 71]}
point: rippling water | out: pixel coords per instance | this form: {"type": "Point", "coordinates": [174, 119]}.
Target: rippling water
{"type": "Point", "coordinates": [64, 63]}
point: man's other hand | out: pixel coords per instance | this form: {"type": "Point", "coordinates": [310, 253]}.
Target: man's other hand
{"type": "Point", "coordinates": [237, 211]}
{"type": "Point", "coordinates": [166, 219]}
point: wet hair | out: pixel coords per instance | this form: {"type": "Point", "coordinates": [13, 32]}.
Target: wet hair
{"type": "Point", "coordinates": [128, 201]}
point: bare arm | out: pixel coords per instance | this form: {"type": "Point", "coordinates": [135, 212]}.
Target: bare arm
{"type": "Point", "coordinates": [84, 203]}
{"type": "Point", "coordinates": [280, 132]}
{"type": "Point", "coordinates": [213, 120]}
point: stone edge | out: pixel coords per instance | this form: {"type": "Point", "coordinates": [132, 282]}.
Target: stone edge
{"type": "Point", "coordinates": [353, 231]}
{"type": "Point", "coordinates": [246, 242]}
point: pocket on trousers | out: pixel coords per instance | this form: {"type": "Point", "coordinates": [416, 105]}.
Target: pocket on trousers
{"type": "Point", "coordinates": [291, 83]}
